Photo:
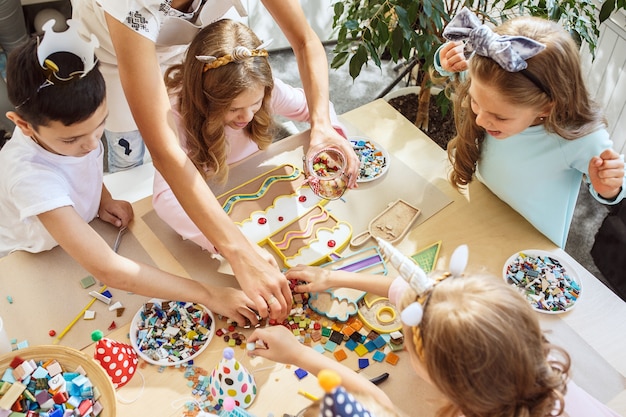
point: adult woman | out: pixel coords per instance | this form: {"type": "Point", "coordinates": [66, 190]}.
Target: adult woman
{"type": "Point", "coordinates": [134, 46]}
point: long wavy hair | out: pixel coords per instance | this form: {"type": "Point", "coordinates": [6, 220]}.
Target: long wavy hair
{"type": "Point", "coordinates": [573, 113]}
{"type": "Point", "coordinates": [483, 348]}
{"type": "Point", "coordinates": [204, 98]}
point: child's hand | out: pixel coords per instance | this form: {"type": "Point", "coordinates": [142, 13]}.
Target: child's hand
{"type": "Point", "coordinates": [452, 58]}
{"type": "Point", "coordinates": [606, 173]}
{"type": "Point", "coordinates": [278, 344]}
{"type": "Point", "coordinates": [117, 212]}
{"type": "Point", "coordinates": [317, 279]}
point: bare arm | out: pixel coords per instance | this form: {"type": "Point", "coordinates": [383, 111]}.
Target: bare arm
{"type": "Point", "coordinates": [319, 279]}
{"type": "Point", "coordinates": [313, 68]}
{"type": "Point", "coordinates": [147, 97]}
{"type": "Point", "coordinates": [279, 345]}
{"type": "Point", "coordinates": [86, 246]}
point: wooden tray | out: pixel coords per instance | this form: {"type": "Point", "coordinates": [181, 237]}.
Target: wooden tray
{"type": "Point", "coordinates": [392, 224]}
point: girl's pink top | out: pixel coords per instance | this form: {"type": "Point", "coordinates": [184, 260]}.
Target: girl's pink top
{"type": "Point", "coordinates": [287, 101]}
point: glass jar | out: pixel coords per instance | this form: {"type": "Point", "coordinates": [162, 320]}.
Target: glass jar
{"type": "Point", "coordinates": [325, 173]}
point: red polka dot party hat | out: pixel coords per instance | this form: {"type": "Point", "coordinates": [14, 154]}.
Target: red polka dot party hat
{"type": "Point", "coordinates": [119, 360]}
{"type": "Point", "coordinates": [230, 379]}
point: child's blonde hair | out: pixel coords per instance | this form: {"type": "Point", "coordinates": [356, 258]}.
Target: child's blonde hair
{"type": "Point", "coordinates": [205, 96]}
{"type": "Point", "coordinates": [560, 84]}
{"type": "Point", "coordinates": [483, 348]}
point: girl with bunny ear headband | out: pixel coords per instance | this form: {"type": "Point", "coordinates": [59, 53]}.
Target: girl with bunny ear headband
{"type": "Point", "coordinates": [473, 337]}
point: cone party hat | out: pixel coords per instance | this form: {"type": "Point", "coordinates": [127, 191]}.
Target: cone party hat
{"type": "Point", "coordinates": [230, 379]}
{"type": "Point", "coordinates": [119, 360]}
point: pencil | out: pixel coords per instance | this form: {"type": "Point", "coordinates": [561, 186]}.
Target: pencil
{"type": "Point", "coordinates": [307, 395]}
{"type": "Point", "coordinates": [78, 316]}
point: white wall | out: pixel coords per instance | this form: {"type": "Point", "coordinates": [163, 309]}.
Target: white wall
{"type": "Point", "coordinates": [606, 75]}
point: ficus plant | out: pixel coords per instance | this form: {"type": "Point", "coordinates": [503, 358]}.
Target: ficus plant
{"type": "Point", "coordinates": [411, 30]}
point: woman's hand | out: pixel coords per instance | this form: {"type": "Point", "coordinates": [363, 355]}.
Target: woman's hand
{"type": "Point", "coordinates": [327, 138]}
{"type": "Point", "coordinates": [232, 303]}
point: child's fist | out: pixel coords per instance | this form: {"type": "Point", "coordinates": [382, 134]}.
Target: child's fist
{"type": "Point", "coordinates": [606, 173]}
{"type": "Point", "coordinates": [452, 58]}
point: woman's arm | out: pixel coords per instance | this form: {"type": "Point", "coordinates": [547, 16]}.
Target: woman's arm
{"type": "Point", "coordinates": [86, 246]}
{"type": "Point", "coordinates": [147, 97]}
{"type": "Point", "coordinates": [313, 68]}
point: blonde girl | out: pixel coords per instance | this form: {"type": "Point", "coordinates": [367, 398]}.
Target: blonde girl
{"type": "Point", "coordinates": [224, 98]}
{"type": "Point", "coordinates": [473, 337]}
{"type": "Point", "coordinates": [526, 125]}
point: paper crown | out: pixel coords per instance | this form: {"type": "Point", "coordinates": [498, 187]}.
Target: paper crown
{"type": "Point", "coordinates": [119, 360]}
{"type": "Point", "coordinates": [419, 281]}
{"type": "Point", "coordinates": [337, 402]}
{"type": "Point", "coordinates": [67, 41]}
{"type": "Point", "coordinates": [230, 379]}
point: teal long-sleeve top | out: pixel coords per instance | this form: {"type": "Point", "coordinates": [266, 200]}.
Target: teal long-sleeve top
{"type": "Point", "coordinates": [539, 175]}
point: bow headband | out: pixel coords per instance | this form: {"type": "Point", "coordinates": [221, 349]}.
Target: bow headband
{"type": "Point", "coordinates": [239, 53]}
{"type": "Point", "coordinates": [510, 52]}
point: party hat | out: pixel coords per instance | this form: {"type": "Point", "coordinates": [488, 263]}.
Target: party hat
{"type": "Point", "coordinates": [230, 379]}
{"type": "Point", "coordinates": [119, 360]}
{"type": "Point", "coordinates": [229, 409]}
{"type": "Point", "coordinates": [337, 402]}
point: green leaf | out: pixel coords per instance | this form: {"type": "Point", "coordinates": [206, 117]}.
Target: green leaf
{"type": "Point", "coordinates": [383, 32]}
{"type": "Point", "coordinates": [351, 24]}
{"type": "Point", "coordinates": [339, 59]}
{"type": "Point", "coordinates": [606, 10]}
{"type": "Point", "coordinates": [357, 61]}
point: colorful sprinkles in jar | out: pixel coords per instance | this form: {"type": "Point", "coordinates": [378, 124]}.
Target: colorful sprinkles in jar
{"type": "Point", "coordinates": [544, 281]}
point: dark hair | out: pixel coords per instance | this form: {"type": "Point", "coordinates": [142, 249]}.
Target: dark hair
{"type": "Point", "coordinates": [67, 102]}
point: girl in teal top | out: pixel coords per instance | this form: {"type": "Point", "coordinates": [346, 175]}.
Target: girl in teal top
{"type": "Point", "coordinates": [526, 125]}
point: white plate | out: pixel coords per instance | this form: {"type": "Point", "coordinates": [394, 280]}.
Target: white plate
{"type": "Point", "coordinates": [568, 280]}
{"type": "Point", "coordinates": [160, 358]}
{"type": "Point", "coordinates": [374, 166]}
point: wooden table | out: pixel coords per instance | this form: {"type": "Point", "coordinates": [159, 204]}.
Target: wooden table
{"type": "Point", "coordinates": [594, 332]}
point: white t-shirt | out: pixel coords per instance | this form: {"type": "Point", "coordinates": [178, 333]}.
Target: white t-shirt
{"type": "Point", "coordinates": [171, 31]}
{"type": "Point", "coordinates": [34, 181]}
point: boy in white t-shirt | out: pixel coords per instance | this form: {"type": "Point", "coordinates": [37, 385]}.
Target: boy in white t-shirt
{"type": "Point", "coordinates": [51, 173]}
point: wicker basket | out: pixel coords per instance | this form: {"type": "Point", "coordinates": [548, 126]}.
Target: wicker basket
{"type": "Point", "coordinates": [70, 359]}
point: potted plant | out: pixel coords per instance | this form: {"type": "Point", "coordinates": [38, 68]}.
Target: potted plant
{"type": "Point", "coordinates": [411, 30]}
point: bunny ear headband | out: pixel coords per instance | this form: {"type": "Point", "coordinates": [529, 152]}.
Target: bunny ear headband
{"type": "Point", "coordinates": [510, 52]}
{"type": "Point", "coordinates": [419, 281]}
{"type": "Point", "coordinates": [239, 53]}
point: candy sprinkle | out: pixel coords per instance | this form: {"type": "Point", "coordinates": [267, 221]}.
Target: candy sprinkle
{"type": "Point", "coordinates": [544, 282]}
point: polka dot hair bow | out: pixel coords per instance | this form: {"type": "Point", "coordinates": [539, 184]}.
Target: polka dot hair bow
{"type": "Point", "coordinates": [337, 402]}
{"type": "Point", "coordinates": [510, 52]}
